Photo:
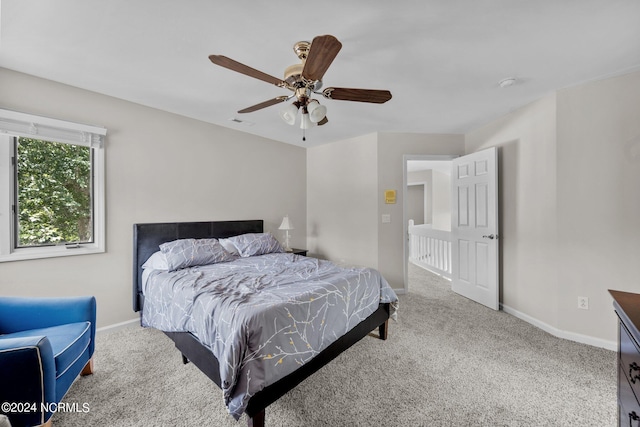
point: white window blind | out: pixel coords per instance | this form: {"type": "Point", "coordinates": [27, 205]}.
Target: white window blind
{"type": "Point", "coordinates": [16, 123]}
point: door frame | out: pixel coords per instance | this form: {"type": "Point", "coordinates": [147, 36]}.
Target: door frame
{"type": "Point", "coordinates": [405, 227]}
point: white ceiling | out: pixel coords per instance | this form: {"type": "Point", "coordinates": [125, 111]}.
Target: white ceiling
{"type": "Point", "coordinates": [441, 59]}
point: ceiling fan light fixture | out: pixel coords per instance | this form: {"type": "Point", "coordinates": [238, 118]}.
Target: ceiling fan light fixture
{"type": "Point", "coordinates": [305, 122]}
{"type": "Point", "coordinates": [316, 111]}
{"type": "Point", "coordinates": [289, 113]}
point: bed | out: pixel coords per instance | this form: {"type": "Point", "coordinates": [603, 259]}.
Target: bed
{"type": "Point", "coordinates": [198, 345]}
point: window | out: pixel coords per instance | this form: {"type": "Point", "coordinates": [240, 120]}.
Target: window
{"type": "Point", "coordinates": [52, 187]}
{"type": "Point", "coordinates": [53, 193]}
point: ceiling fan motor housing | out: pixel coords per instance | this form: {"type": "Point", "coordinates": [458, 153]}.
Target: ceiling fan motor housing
{"type": "Point", "coordinates": [293, 76]}
{"type": "Point", "coordinates": [301, 49]}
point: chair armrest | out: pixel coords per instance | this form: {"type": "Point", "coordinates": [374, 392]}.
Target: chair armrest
{"type": "Point", "coordinates": [28, 375]}
{"type": "Point", "coordinates": [24, 313]}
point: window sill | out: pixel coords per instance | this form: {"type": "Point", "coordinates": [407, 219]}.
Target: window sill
{"type": "Point", "coordinates": [50, 252]}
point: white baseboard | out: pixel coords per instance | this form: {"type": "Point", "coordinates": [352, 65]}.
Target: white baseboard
{"type": "Point", "coordinates": [118, 326]}
{"type": "Point", "coordinates": [572, 336]}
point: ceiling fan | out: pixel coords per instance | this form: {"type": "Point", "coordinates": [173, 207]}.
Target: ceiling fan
{"type": "Point", "coordinates": [304, 80]}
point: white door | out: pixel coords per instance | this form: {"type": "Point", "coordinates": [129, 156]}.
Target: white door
{"type": "Point", "coordinates": [474, 227]}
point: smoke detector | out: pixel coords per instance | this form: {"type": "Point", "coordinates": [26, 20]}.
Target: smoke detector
{"type": "Point", "coordinates": [509, 81]}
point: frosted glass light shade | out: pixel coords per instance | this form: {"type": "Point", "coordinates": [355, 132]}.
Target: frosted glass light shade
{"type": "Point", "coordinates": [289, 113]}
{"type": "Point", "coordinates": [316, 111]}
{"type": "Point", "coordinates": [305, 122]}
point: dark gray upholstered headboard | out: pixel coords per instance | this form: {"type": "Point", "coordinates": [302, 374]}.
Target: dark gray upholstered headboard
{"type": "Point", "coordinates": [148, 237]}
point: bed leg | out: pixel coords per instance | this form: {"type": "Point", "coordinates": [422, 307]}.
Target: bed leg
{"type": "Point", "coordinates": [384, 330]}
{"type": "Point", "coordinates": [257, 420]}
{"type": "Point", "coordinates": [184, 360]}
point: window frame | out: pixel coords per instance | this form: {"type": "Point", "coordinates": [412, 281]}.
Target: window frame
{"type": "Point", "coordinates": [13, 124]}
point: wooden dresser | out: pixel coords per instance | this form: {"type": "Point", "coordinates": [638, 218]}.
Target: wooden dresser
{"type": "Point", "coordinates": [627, 306]}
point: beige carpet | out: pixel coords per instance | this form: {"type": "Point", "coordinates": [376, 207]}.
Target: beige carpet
{"type": "Point", "coordinates": [448, 362]}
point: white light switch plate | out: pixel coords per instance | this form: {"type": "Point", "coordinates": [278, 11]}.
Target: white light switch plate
{"type": "Point", "coordinates": [386, 218]}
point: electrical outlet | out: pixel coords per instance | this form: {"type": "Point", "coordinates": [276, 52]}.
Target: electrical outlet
{"type": "Point", "coordinates": [583, 303]}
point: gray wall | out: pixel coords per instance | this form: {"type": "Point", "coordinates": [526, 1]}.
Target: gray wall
{"type": "Point", "coordinates": [416, 203]}
{"type": "Point", "coordinates": [436, 188]}
{"type": "Point", "coordinates": [348, 179]}
{"type": "Point", "coordinates": [420, 179]}
{"type": "Point", "coordinates": [598, 193]}
{"type": "Point", "coordinates": [342, 213]}
{"type": "Point", "coordinates": [569, 203]}
{"type": "Point", "coordinates": [528, 214]}
{"type": "Point", "coordinates": [391, 149]}
{"type": "Point", "coordinates": [570, 209]}
{"type": "Point", "coordinates": [160, 167]}
{"type": "Point", "coordinates": [441, 201]}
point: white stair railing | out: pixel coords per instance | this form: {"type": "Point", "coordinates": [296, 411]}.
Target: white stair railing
{"type": "Point", "coordinates": [430, 249]}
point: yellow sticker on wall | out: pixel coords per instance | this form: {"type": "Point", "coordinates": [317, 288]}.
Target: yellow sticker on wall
{"type": "Point", "coordinates": [390, 197]}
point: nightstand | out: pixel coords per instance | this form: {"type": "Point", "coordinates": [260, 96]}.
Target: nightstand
{"type": "Point", "coordinates": [302, 252]}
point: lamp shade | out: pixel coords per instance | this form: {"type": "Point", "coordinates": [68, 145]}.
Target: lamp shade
{"type": "Point", "coordinates": [286, 224]}
{"type": "Point", "coordinates": [289, 113]}
{"type": "Point", "coordinates": [316, 111]}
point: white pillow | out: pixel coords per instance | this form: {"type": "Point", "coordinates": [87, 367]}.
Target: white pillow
{"type": "Point", "coordinates": [229, 246]}
{"type": "Point", "coordinates": [157, 261]}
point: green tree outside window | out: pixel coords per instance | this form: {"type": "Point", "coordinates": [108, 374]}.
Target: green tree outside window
{"type": "Point", "coordinates": [53, 191]}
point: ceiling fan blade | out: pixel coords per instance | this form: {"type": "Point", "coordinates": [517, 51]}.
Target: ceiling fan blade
{"type": "Point", "coordinates": [321, 54]}
{"type": "Point", "coordinates": [229, 63]}
{"type": "Point", "coordinates": [361, 95]}
{"type": "Point", "coordinates": [323, 121]}
{"type": "Point", "coordinates": [264, 104]}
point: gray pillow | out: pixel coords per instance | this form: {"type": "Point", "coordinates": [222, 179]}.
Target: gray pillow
{"type": "Point", "coordinates": [251, 244]}
{"type": "Point", "coordinates": [185, 253]}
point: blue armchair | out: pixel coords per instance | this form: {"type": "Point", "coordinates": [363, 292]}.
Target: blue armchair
{"type": "Point", "coordinates": [44, 344]}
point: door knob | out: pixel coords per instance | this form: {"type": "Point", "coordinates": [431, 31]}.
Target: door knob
{"type": "Point", "coordinates": [490, 236]}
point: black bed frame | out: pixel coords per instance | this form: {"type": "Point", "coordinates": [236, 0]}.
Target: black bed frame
{"type": "Point", "coordinates": [146, 241]}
